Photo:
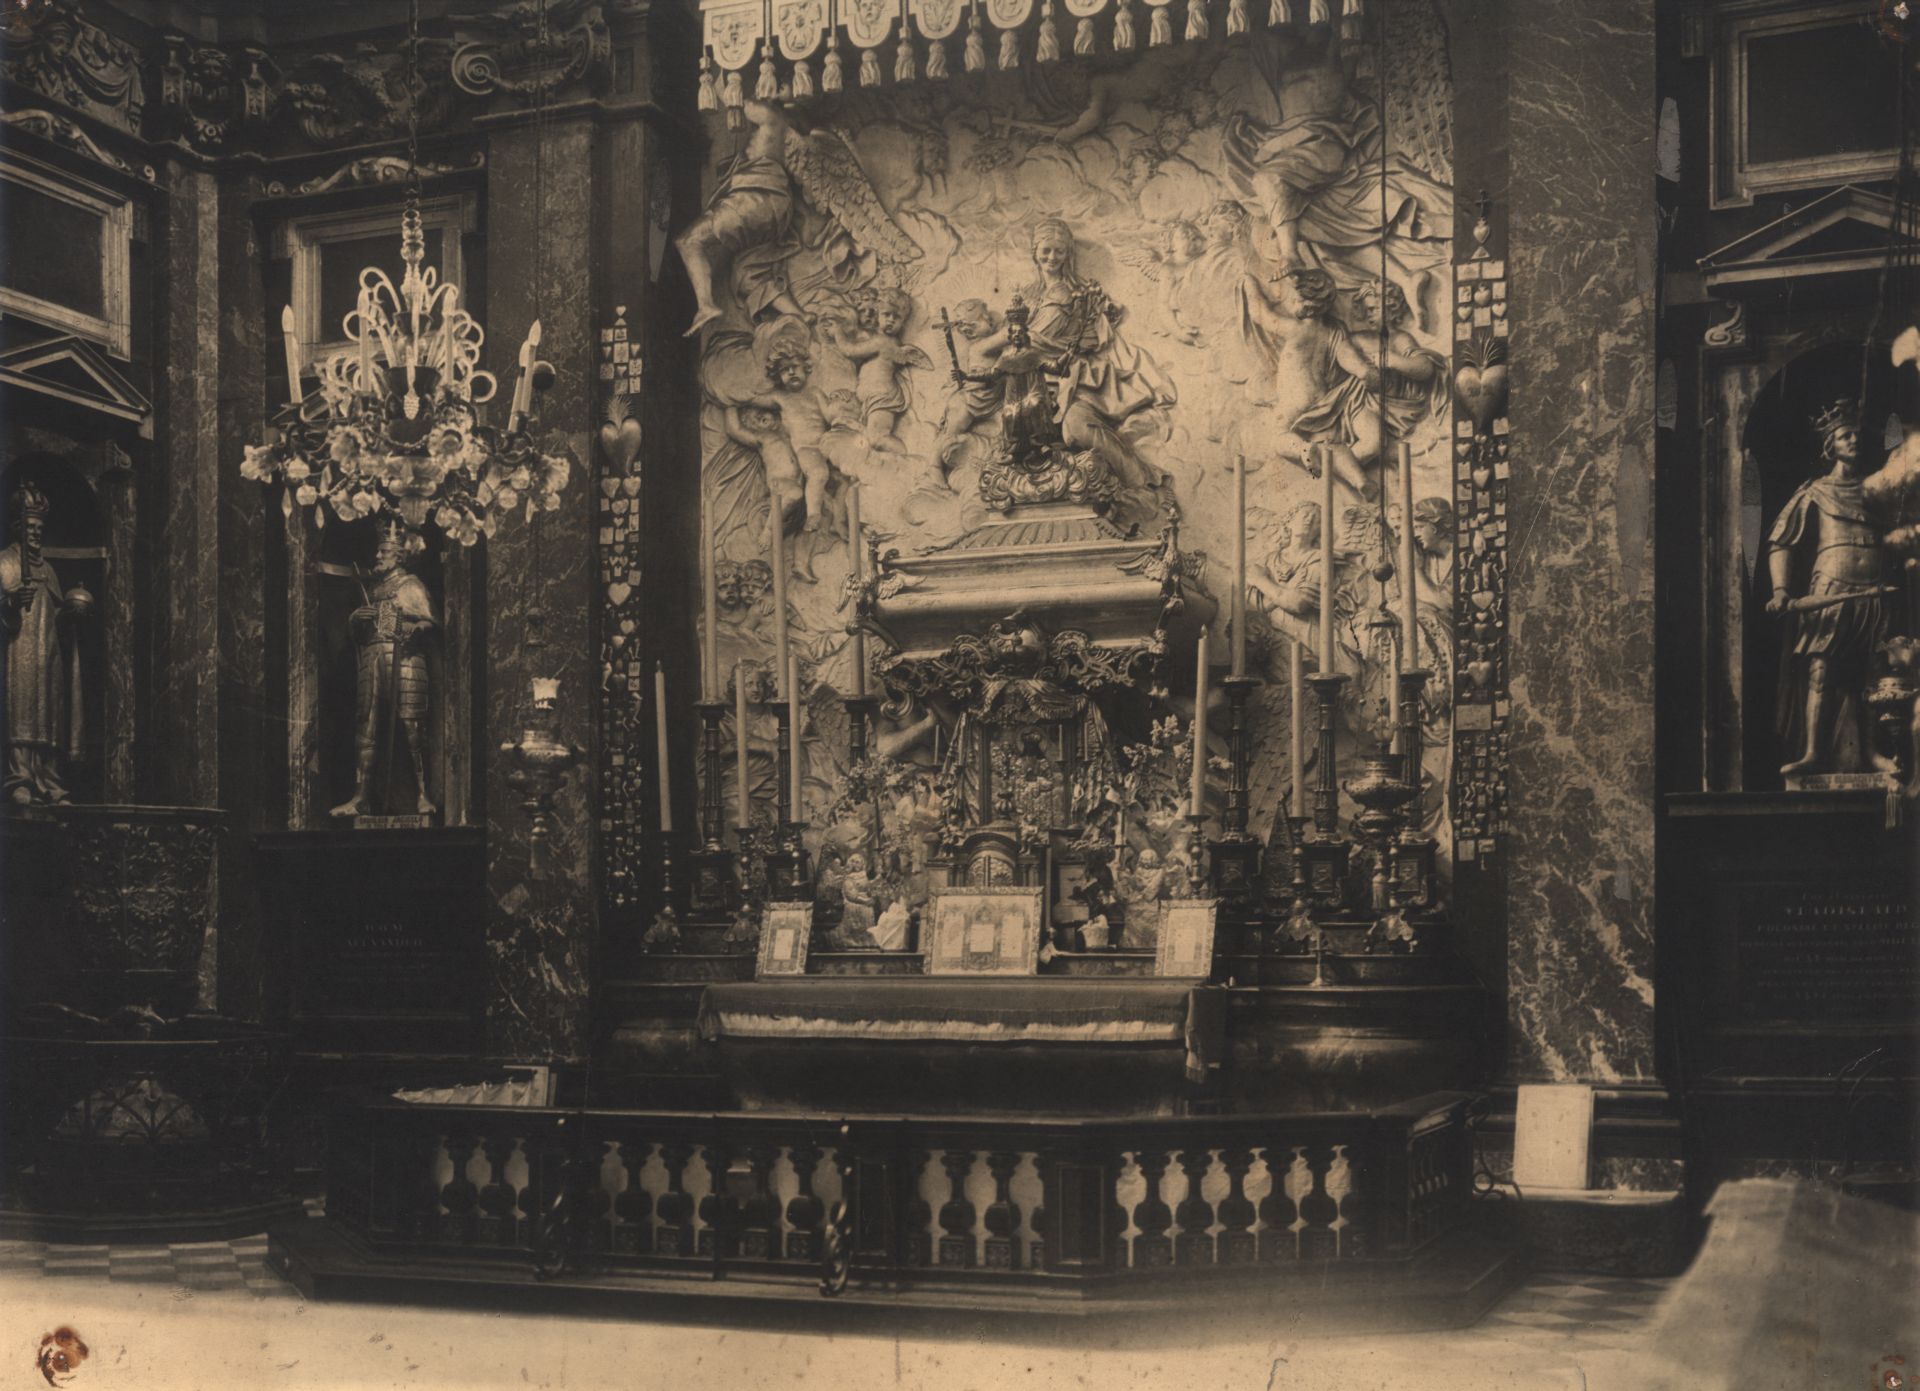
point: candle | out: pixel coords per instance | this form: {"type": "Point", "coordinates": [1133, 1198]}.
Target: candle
{"type": "Point", "coordinates": [1323, 455]}
{"type": "Point", "coordinates": [1409, 589]}
{"type": "Point", "coordinates": [859, 575]}
{"type": "Point", "coordinates": [1199, 795]}
{"type": "Point", "coordinates": [1238, 609]}
{"type": "Point", "coordinates": [779, 601]}
{"type": "Point", "coordinates": [793, 723]}
{"type": "Point", "coordinates": [660, 732]}
{"type": "Point", "coordinates": [710, 611]}
{"type": "Point", "coordinates": [1297, 726]}
{"type": "Point", "coordinates": [741, 802]}
{"type": "Point", "coordinates": [292, 341]}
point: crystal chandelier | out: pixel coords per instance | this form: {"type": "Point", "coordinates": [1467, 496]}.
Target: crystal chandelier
{"type": "Point", "coordinates": [394, 425]}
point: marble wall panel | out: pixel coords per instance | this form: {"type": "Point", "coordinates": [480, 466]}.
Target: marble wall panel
{"type": "Point", "coordinates": [539, 584]}
{"type": "Point", "coordinates": [1580, 867]}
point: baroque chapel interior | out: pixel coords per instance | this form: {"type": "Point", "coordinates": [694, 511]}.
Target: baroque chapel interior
{"type": "Point", "coordinates": [1204, 672]}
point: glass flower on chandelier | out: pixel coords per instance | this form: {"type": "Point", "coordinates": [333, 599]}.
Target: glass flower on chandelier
{"type": "Point", "coordinates": [393, 424]}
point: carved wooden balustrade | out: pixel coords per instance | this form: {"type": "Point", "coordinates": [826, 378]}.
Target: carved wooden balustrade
{"type": "Point", "coordinates": [1070, 1203]}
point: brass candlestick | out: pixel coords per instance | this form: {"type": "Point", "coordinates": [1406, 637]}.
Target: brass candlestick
{"type": "Point", "coordinates": [1382, 792]}
{"type": "Point", "coordinates": [715, 885]}
{"type": "Point", "coordinates": [1234, 863]}
{"type": "Point", "coordinates": [1324, 851]}
{"type": "Point", "coordinates": [1415, 875]}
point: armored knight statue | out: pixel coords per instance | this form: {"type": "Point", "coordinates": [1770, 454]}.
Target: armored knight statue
{"type": "Point", "coordinates": [1828, 568]}
{"type": "Point", "coordinates": [390, 629]}
{"type": "Point", "coordinates": [45, 720]}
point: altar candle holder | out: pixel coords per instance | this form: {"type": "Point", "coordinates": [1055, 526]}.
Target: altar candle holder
{"type": "Point", "coordinates": [1382, 791]}
{"type": "Point", "coordinates": [715, 884]}
{"type": "Point", "coordinates": [1324, 851]}
{"type": "Point", "coordinates": [789, 875]}
{"type": "Point", "coordinates": [1234, 863]}
{"type": "Point", "coordinates": [1415, 883]}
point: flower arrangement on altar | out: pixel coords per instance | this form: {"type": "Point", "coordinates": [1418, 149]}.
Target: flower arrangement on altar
{"type": "Point", "coordinates": [394, 424]}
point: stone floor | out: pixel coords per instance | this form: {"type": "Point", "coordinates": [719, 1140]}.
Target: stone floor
{"type": "Point", "coordinates": [241, 1325]}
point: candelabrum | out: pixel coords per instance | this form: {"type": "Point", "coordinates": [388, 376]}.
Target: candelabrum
{"type": "Point", "coordinates": [1323, 851]}
{"type": "Point", "coordinates": [1234, 863]}
{"type": "Point", "coordinates": [541, 761]}
{"type": "Point", "coordinates": [714, 886]}
{"type": "Point", "coordinates": [1382, 792]}
{"type": "Point", "coordinates": [860, 715]}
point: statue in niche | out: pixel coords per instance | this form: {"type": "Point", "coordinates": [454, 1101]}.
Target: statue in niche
{"type": "Point", "coordinates": [1828, 568]}
{"type": "Point", "coordinates": [749, 224]}
{"type": "Point", "coordinates": [1392, 384]}
{"type": "Point", "coordinates": [881, 362]}
{"type": "Point", "coordinates": [45, 712]}
{"type": "Point", "coordinates": [391, 691]}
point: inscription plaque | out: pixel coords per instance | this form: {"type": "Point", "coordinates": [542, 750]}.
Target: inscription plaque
{"type": "Point", "coordinates": [1824, 954]}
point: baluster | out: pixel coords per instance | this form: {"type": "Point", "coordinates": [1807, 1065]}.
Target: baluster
{"type": "Point", "coordinates": [1279, 1210]}
{"type": "Point", "coordinates": [1194, 1245]}
{"type": "Point", "coordinates": [1152, 1247]}
{"type": "Point", "coordinates": [494, 1226]}
{"type": "Point", "coordinates": [805, 1211]}
{"type": "Point", "coordinates": [459, 1195]}
{"type": "Point", "coordinates": [1318, 1241]}
{"type": "Point", "coordinates": [1344, 1186]}
{"type": "Point", "coordinates": [593, 1214]}
{"type": "Point", "coordinates": [1002, 1215]}
{"type": "Point", "coordinates": [675, 1208]}
{"type": "Point", "coordinates": [919, 1214]}
{"type": "Point", "coordinates": [633, 1236]}
{"type": "Point", "coordinates": [759, 1213]}
{"type": "Point", "coordinates": [1037, 1218]}
{"type": "Point", "coordinates": [425, 1223]}
{"type": "Point", "coordinates": [715, 1225]}
{"type": "Point", "coordinates": [1236, 1245]}
{"type": "Point", "coordinates": [956, 1213]}
{"type": "Point", "coordinates": [527, 1200]}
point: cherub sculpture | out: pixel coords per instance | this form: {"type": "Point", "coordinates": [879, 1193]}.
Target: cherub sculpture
{"type": "Point", "coordinates": [976, 396]}
{"type": "Point", "coordinates": [1292, 319]}
{"type": "Point", "coordinates": [749, 224]}
{"type": "Point", "coordinates": [1392, 385]}
{"type": "Point", "coordinates": [881, 362]}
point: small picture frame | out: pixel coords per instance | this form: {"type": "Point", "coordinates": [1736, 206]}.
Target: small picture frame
{"type": "Point", "coordinates": [983, 931]}
{"type": "Point", "coordinates": [1186, 937]}
{"type": "Point", "coordinates": [785, 930]}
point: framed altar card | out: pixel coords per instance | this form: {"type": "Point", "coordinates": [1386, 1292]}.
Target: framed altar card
{"type": "Point", "coordinates": [785, 929]}
{"type": "Point", "coordinates": [984, 932]}
{"type": "Point", "coordinates": [1186, 937]}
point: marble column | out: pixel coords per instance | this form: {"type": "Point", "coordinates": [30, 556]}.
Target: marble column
{"type": "Point", "coordinates": [120, 502]}
{"type": "Point", "coordinates": [539, 595]}
{"type": "Point", "coordinates": [183, 522]}
{"type": "Point", "coordinates": [1580, 890]}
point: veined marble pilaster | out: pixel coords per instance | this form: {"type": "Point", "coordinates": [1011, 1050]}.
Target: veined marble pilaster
{"type": "Point", "coordinates": [1580, 883]}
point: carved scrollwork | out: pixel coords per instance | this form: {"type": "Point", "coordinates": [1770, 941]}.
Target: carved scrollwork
{"type": "Point", "coordinates": [1062, 475]}
{"type": "Point", "coordinates": [1014, 664]}
{"type": "Point", "coordinates": [336, 98]}
{"type": "Point", "coordinates": [367, 171]}
{"type": "Point", "coordinates": [525, 60]}
{"type": "Point", "coordinates": [49, 125]}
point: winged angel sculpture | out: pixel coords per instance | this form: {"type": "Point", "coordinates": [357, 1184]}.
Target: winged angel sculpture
{"type": "Point", "coordinates": [750, 225]}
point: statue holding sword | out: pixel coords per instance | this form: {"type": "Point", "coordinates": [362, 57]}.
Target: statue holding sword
{"type": "Point", "coordinates": [1830, 573]}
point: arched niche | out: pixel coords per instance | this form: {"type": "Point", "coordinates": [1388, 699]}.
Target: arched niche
{"type": "Point", "coordinates": [1780, 451]}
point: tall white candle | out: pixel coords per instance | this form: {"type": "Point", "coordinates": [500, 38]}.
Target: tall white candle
{"type": "Point", "coordinates": [1238, 609]}
{"type": "Point", "coordinates": [1297, 725]}
{"type": "Point", "coordinates": [1409, 587]}
{"type": "Point", "coordinates": [1198, 797]}
{"type": "Point", "coordinates": [292, 341]}
{"type": "Point", "coordinates": [856, 541]}
{"type": "Point", "coordinates": [709, 610]}
{"type": "Point", "coordinates": [660, 733]}
{"type": "Point", "coordinates": [740, 797]}
{"type": "Point", "coordinates": [793, 723]}
{"type": "Point", "coordinates": [1326, 559]}
{"type": "Point", "coordinates": [779, 602]}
